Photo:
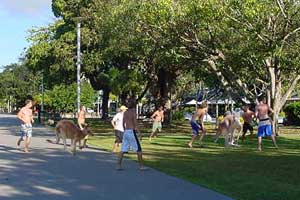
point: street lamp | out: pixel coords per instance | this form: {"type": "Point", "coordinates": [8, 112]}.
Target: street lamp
{"type": "Point", "coordinates": [78, 66]}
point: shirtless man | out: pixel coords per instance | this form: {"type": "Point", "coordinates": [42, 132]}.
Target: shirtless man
{"type": "Point", "coordinates": [247, 116]}
{"type": "Point", "coordinates": [81, 117]}
{"type": "Point", "coordinates": [264, 126]}
{"type": "Point", "coordinates": [158, 118]}
{"type": "Point", "coordinates": [26, 118]}
{"type": "Point", "coordinates": [130, 139]}
{"type": "Point", "coordinates": [81, 123]}
{"type": "Point", "coordinates": [199, 115]}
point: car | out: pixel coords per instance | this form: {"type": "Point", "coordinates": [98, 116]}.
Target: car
{"type": "Point", "coordinates": [89, 110]}
{"type": "Point", "coordinates": [280, 120]}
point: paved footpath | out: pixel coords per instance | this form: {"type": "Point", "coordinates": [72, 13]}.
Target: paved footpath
{"type": "Point", "coordinates": [50, 173]}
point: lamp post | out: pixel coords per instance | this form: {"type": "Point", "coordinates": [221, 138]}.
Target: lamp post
{"type": "Point", "coordinates": [78, 67]}
{"type": "Point", "coordinates": [43, 94]}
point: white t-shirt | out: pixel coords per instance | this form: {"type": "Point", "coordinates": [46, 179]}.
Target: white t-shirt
{"type": "Point", "coordinates": [118, 119]}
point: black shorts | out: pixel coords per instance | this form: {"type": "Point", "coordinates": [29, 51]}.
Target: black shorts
{"type": "Point", "coordinates": [119, 136]}
{"type": "Point", "coordinates": [247, 127]}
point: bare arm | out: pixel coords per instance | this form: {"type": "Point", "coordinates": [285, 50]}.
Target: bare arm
{"type": "Point", "coordinates": [20, 116]}
{"type": "Point", "coordinates": [270, 109]}
{"type": "Point", "coordinates": [154, 114]}
{"type": "Point", "coordinates": [135, 123]}
{"type": "Point", "coordinates": [256, 111]}
{"type": "Point", "coordinates": [113, 124]}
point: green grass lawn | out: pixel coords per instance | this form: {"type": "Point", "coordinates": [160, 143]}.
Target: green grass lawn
{"type": "Point", "coordinates": [239, 172]}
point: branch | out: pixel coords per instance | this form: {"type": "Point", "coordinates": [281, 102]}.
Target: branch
{"type": "Point", "coordinates": [289, 91]}
{"type": "Point", "coordinates": [144, 91]}
{"type": "Point", "coordinates": [281, 6]}
{"type": "Point", "coordinates": [248, 25]}
{"type": "Point", "coordinates": [287, 37]}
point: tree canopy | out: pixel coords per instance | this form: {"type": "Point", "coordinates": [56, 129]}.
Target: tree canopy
{"type": "Point", "coordinates": [246, 48]}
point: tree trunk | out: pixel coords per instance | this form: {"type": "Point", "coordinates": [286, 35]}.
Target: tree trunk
{"type": "Point", "coordinates": [105, 97]}
{"type": "Point", "coordinates": [164, 81]}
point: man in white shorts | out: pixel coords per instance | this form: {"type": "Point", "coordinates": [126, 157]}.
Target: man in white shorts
{"type": "Point", "coordinates": [26, 118]}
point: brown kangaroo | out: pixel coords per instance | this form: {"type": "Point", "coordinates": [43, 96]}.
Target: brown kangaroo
{"type": "Point", "coordinates": [66, 129]}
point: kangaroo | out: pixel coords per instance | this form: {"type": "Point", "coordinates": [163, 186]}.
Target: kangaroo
{"type": "Point", "coordinates": [66, 129]}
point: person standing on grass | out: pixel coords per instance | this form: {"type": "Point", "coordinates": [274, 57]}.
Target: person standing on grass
{"type": "Point", "coordinates": [117, 123]}
{"type": "Point", "coordinates": [199, 115]}
{"type": "Point", "coordinates": [81, 123]}
{"type": "Point", "coordinates": [158, 118]}
{"type": "Point", "coordinates": [265, 125]}
{"type": "Point", "coordinates": [26, 118]}
{"type": "Point", "coordinates": [247, 116]}
{"type": "Point", "coordinates": [130, 139]}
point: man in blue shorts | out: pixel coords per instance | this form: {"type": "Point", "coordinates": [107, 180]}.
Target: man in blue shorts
{"type": "Point", "coordinates": [199, 115]}
{"type": "Point", "coordinates": [265, 125]}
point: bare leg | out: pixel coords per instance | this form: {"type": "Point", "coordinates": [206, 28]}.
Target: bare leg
{"type": "Point", "coordinates": [19, 142]}
{"type": "Point", "coordinates": [201, 138]}
{"type": "Point", "coordinates": [243, 136]}
{"type": "Point", "coordinates": [190, 144]}
{"type": "Point", "coordinates": [140, 159]}
{"type": "Point", "coordinates": [27, 143]}
{"type": "Point", "coordinates": [151, 136]}
{"type": "Point", "coordinates": [115, 147]}
{"type": "Point", "coordinates": [274, 141]}
{"type": "Point", "coordinates": [259, 143]}
{"type": "Point", "coordinates": [217, 137]}
{"type": "Point", "coordinates": [119, 164]}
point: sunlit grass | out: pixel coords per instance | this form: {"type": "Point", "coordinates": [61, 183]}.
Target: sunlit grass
{"type": "Point", "coordinates": [239, 172]}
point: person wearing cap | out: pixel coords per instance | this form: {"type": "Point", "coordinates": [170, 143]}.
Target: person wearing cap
{"type": "Point", "coordinates": [117, 123]}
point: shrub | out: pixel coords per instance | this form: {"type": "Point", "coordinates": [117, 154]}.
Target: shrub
{"type": "Point", "coordinates": [178, 115]}
{"type": "Point", "coordinates": [292, 111]}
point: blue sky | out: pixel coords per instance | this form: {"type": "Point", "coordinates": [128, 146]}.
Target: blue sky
{"type": "Point", "coordinates": [16, 18]}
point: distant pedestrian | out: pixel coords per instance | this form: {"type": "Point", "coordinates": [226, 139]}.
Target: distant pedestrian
{"type": "Point", "coordinates": [198, 116]}
{"type": "Point", "coordinates": [81, 123]}
{"type": "Point", "coordinates": [248, 117]}
{"type": "Point", "coordinates": [117, 123]}
{"type": "Point", "coordinates": [158, 118]}
{"type": "Point", "coordinates": [26, 117]}
{"type": "Point", "coordinates": [130, 139]}
{"type": "Point", "coordinates": [265, 126]}
{"type": "Point", "coordinates": [81, 117]}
